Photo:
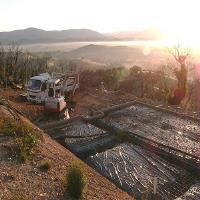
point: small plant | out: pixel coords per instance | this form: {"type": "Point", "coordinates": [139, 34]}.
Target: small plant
{"type": "Point", "coordinates": [25, 145]}
{"type": "Point", "coordinates": [24, 135]}
{"type": "Point", "coordinates": [8, 126]}
{"type": "Point", "coordinates": [45, 165]}
{"type": "Point", "coordinates": [76, 181]}
{"type": "Point", "coordinates": [12, 174]}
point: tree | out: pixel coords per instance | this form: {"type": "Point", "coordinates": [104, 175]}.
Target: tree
{"type": "Point", "coordinates": [180, 55]}
{"type": "Point", "coordinates": [17, 66]}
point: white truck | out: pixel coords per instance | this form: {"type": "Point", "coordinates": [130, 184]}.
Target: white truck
{"type": "Point", "coordinates": [44, 86]}
{"type": "Point", "coordinates": [37, 88]}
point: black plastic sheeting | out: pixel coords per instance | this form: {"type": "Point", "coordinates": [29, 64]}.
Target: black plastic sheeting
{"type": "Point", "coordinates": [129, 166]}
{"type": "Point", "coordinates": [133, 169]}
{"type": "Point", "coordinates": [85, 139]}
{"type": "Point", "coordinates": [161, 127]}
{"type": "Point", "coordinates": [192, 194]}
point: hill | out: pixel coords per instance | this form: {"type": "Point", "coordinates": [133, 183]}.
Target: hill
{"type": "Point", "coordinates": [106, 54]}
{"type": "Point", "coordinates": [34, 35]}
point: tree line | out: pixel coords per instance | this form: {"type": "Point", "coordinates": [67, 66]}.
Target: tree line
{"type": "Point", "coordinates": [17, 66]}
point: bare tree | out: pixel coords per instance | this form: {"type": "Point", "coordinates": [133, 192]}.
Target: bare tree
{"type": "Point", "coordinates": [8, 59]}
{"type": "Point", "coordinates": [180, 55]}
{"type": "Point", "coordinates": [17, 66]}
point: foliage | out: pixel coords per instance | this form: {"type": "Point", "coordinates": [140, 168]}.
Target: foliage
{"type": "Point", "coordinates": [12, 174]}
{"type": "Point", "coordinates": [17, 66]}
{"type": "Point", "coordinates": [45, 165]}
{"type": "Point", "coordinates": [114, 76]}
{"type": "Point", "coordinates": [26, 144]}
{"type": "Point", "coordinates": [76, 181]}
{"type": "Point", "coordinates": [9, 127]}
{"type": "Point", "coordinates": [24, 135]}
{"type": "Point", "coordinates": [111, 77]}
{"type": "Point", "coordinates": [144, 84]}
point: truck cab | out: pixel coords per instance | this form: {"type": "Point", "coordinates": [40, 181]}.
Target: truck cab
{"type": "Point", "coordinates": [37, 88]}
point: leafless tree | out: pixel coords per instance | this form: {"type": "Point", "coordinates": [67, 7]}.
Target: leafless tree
{"type": "Point", "coordinates": [180, 54]}
{"type": "Point", "coordinates": [17, 66]}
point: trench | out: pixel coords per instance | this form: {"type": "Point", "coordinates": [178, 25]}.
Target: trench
{"type": "Point", "coordinates": [132, 144]}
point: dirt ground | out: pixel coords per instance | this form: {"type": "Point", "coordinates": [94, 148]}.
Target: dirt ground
{"type": "Point", "coordinates": [27, 181]}
{"type": "Point", "coordinates": [31, 111]}
{"type": "Point", "coordinates": [91, 99]}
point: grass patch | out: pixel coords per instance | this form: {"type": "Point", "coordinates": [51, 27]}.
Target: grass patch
{"type": "Point", "coordinates": [76, 181]}
{"type": "Point", "coordinates": [24, 134]}
{"type": "Point", "coordinates": [45, 165]}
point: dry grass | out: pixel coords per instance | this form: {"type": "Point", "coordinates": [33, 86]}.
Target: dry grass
{"type": "Point", "coordinates": [24, 135]}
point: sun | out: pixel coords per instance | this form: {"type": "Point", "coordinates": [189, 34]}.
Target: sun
{"type": "Point", "coordinates": [188, 36]}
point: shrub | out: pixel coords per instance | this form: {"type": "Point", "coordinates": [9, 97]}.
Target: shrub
{"type": "Point", "coordinates": [24, 135]}
{"type": "Point", "coordinates": [8, 126]}
{"type": "Point", "coordinates": [114, 76]}
{"type": "Point", "coordinates": [45, 165]}
{"type": "Point", "coordinates": [76, 181]}
{"type": "Point", "coordinates": [25, 145]}
{"type": "Point", "coordinates": [12, 174]}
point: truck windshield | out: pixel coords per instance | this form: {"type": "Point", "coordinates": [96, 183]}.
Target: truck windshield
{"type": "Point", "coordinates": [34, 84]}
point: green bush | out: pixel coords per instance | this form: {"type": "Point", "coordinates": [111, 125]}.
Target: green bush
{"type": "Point", "coordinates": [114, 76]}
{"type": "Point", "coordinates": [45, 165]}
{"type": "Point", "coordinates": [25, 145]}
{"type": "Point", "coordinates": [76, 181]}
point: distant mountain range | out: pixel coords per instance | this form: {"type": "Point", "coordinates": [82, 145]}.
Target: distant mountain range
{"type": "Point", "coordinates": [34, 35]}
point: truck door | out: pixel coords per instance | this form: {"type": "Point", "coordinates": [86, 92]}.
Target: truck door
{"type": "Point", "coordinates": [43, 91]}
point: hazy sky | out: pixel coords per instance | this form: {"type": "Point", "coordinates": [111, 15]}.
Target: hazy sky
{"type": "Point", "coordinates": [172, 16]}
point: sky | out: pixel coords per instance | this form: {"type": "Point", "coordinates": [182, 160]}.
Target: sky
{"type": "Point", "coordinates": [171, 16]}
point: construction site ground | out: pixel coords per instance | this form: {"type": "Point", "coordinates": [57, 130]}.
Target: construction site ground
{"type": "Point", "coordinates": [26, 181]}
{"type": "Point", "coordinates": [91, 101]}
{"type": "Point", "coordinates": [86, 100]}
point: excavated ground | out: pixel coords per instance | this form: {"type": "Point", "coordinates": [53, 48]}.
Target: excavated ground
{"type": "Point", "coordinates": [168, 129]}
{"type": "Point", "coordinates": [26, 180]}
{"type": "Point", "coordinates": [128, 165]}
